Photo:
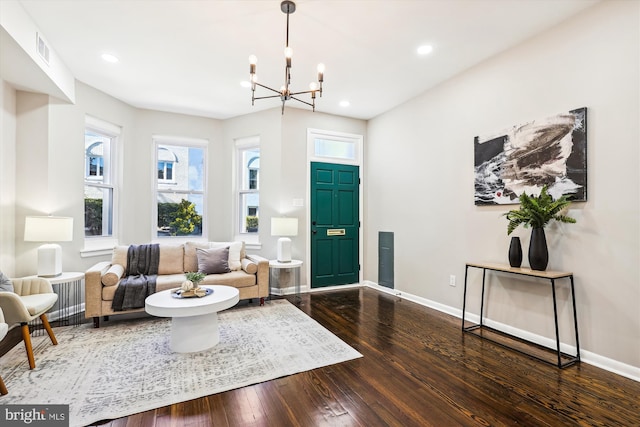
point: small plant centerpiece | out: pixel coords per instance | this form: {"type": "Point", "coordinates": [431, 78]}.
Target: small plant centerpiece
{"type": "Point", "coordinates": [191, 286]}
{"type": "Point", "coordinates": [536, 212]}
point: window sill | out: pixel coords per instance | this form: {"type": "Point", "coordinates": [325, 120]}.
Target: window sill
{"type": "Point", "coordinates": [88, 253]}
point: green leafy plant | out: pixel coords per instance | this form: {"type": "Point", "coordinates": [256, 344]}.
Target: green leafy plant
{"type": "Point", "coordinates": [537, 211]}
{"type": "Point", "coordinates": [187, 219]}
{"type": "Point", "coordinates": [252, 224]}
{"type": "Point", "coordinates": [195, 277]}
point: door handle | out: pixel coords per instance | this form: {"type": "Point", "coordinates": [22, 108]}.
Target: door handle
{"type": "Point", "coordinates": [314, 231]}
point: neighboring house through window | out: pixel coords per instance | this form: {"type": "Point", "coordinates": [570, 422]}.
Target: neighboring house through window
{"type": "Point", "coordinates": [180, 186]}
{"type": "Point", "coordinates": [248, 184]}
{"type": "Point", "coordinates": [100, 141]}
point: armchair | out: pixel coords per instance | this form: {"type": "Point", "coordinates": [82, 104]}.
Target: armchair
{"type": "Point", "coordinates": [32, 298]}
{"type": "Point", "coordinates": [4, 328]}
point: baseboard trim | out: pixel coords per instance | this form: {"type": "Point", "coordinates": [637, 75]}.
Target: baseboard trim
{"type": "Point", "coordinates": [611, 365]}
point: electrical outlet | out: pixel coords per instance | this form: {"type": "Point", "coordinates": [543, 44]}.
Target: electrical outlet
{"type": "Point", "coordinates": [452, 280]}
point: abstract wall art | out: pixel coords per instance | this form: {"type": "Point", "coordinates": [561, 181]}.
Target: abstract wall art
{"type": "Point", "coordinates": [524, 158]}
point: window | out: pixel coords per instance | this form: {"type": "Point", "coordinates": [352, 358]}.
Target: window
{"type": "Point", "coordinates": [180, 186]}
{"type": "Point", "coordinates": [248, 184]}
{"type": "Point", "coordinates": [100, 139]}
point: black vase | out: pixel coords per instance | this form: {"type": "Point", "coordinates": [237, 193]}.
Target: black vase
{"type": "Point", "coordinates": [515, 252]}
{"type": "Point", "coordinates": [538, 253]}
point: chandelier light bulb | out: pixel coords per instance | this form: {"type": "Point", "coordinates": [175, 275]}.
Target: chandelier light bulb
{"type": "Point", "coordinates": [313, 86]}
{"type": "Point", "coordinates": [321, 68]}
{"type": "Point", "coordinates": [288, 52]}
{"type": "Point", "coordinates": [253, 60]}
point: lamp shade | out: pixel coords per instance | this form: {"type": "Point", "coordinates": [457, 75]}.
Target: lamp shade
{"type": "Point", "coordinates": [284, 226]}
{"type": "Point", "coordinates": [48, 229]}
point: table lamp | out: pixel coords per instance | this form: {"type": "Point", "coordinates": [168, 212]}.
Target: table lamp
{"type": "Point", "coordinates": [48, 229]}
{"type": "Point", "coordinates": [284, 227]}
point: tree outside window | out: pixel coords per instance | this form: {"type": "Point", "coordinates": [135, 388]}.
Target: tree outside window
{"type": "Point", "coordinates": [180, 188]}
{"type": "Point", "coordinates": [98, 183]}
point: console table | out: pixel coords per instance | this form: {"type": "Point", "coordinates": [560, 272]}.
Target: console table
{"type": "Point", "coordinates": [552, 276]}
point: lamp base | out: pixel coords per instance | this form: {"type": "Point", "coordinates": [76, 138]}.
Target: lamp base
{"type": "Point", "coordinates": [284, 249]}
{"type": "Point", "coordinates": [49, 260]}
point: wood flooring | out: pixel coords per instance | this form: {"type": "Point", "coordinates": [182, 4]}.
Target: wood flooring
{"type": "Point", "coordinates": [418, 369]}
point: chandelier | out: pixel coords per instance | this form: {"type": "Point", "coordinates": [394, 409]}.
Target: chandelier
{"type": "Point", "coordinates": [285, 93]}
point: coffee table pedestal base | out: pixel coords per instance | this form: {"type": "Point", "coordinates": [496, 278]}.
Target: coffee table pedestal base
{"type": "Point", "coordinates": [194, 333]}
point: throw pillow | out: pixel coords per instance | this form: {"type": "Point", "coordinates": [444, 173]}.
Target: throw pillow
{"type": "Point", "coordinates": [235, 249]}
{"type": "Point", "coordinates": [249, 266]}
{"type": "Point", "coordinates": [5, 283]}
{"type": "Point", "coordinates": [213, 261]}
{"type": "Point", "coordinates": [113, 275]}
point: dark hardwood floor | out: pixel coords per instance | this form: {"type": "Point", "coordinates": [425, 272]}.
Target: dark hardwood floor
{"type": "Point", "coordinates": [418, 369]}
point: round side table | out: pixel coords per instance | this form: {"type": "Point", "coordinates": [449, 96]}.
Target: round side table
{"type": "Point", "coordinates": [283, 275]}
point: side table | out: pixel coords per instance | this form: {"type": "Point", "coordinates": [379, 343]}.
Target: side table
{"type": "Point", "coordinates": [66, 312]}
{"type": "Point", "coordinates": [282, 274]}
{"type": "Point", "coordinates": [562, 360]}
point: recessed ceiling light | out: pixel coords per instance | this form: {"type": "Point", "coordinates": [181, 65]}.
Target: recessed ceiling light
{"type": "Point", "coordinates": [425, 49]}
{"type": "Point", "coordinates": [245, 83]}
{"type": "Point", "coordinates": [344, 103]}
{"type": "Point", "coordinates": [109, 58]}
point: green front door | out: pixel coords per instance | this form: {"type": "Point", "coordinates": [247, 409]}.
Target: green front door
{"type": "Point", "coordinates": [335, 225]}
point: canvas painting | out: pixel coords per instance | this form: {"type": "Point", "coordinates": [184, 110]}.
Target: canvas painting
{"type": "Point", "coordinates": [524, 158]}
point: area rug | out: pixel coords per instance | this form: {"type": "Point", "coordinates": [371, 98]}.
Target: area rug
{"type": "Point", "coordinates": [126, 366]}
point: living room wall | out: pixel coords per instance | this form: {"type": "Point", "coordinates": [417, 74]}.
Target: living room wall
{"type": "Point", "coordinates": [420, 167]}
{"type": "Point", "coordinates": [283, 166]}
{"type": "Point", "coordinates": [46, 139]}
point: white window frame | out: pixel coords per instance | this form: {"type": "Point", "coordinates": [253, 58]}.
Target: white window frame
{"type": "Point", "coordinates": [100, 245]}
{"type": "Point", "coordinates": [161, 141]}
{"type": "Point", "coordinates": [241, 145]}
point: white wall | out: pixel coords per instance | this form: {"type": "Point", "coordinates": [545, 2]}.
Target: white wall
{"type": "Point", "coordinates": [420, 181]}
{"type": "Point", "coordinates": [283, 166]}
{"type": "Point", "coordinates": [7, 178]}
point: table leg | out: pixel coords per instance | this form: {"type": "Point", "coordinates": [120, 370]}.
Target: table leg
{"type": "Point", "coordinates": [194, 333]}
{"type": "Point", "coordinates": [555, 318]}
{"type": "Point", "coordinates": [464, 294]}
{"type": "Point", "coordinates": [484, 274]}
{"type": "Point", "coordinates": [575, 318]}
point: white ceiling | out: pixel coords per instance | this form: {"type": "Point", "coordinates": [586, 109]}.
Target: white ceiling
{"type": "Point", "coordinates": [189, 56]}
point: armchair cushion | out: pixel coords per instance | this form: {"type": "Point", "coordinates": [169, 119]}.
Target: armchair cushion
{"type": "Point", "coordinates": [39, 303]}
{"type": "Point", "coordinates": [32, 297]}
{"type": "Point", "coordinates": [31, 286]}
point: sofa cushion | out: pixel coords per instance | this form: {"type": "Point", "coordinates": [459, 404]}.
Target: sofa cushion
{"type": "Point", "coordinates": [120, 255]}
{"type": "Point", "coordinates": [237, 279]}
{"type": "Point", "coordinates": [213, 261]}
{"type": "Point", "coordinates": [171, 259]}
{"type": "Point", "coordinates": [163, 282]}
{"type": "Point", "coordinates": [190, 257]}
{"type": "Point", "coordinates": [113, 275]}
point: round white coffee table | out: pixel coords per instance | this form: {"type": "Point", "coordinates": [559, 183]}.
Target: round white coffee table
{"type": "Point", "coordinates": [194, 321]}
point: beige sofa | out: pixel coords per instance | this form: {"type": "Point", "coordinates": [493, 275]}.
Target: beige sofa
{"type": "Point", "coordinates": [250, 274]}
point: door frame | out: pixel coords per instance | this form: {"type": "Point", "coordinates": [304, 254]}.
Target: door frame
{"type": "Point", "coordinates": [357, 161]}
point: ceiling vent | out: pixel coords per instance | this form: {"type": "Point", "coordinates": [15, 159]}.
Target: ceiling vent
{"type": "Point", "coordinates": [42, 48]}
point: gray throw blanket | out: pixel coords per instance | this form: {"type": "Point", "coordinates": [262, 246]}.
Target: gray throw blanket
{"type": "Point", "coordinates": [140, 280]}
